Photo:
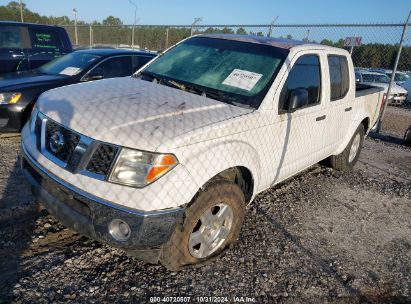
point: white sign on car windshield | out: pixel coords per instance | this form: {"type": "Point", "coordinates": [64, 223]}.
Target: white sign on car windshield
{"type": "Point", "coordinates": [242, 79]}
{"type": "Point", "coordinates": [70, 71]}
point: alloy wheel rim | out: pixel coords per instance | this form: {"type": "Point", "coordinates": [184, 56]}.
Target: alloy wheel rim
{"type": "Point", "coordinates": [354, 147]}
{"type": "Point", "coordinates": [211, 230]}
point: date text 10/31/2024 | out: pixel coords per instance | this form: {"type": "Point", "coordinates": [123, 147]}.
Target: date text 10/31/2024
{"type": "Point", "coordinates": [203, 299]}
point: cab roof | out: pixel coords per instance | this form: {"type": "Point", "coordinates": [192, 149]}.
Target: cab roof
{"type": "Point", "coordinates": [113, 51]}
{"type": "Point", "coordinates": [275, 42]}
{"type": "Point", "coordinates": [16, 23]}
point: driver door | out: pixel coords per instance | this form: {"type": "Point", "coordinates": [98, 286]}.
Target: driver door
{"type": "Point", "coordinates": [304, 128]}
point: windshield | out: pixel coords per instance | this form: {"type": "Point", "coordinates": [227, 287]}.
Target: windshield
{"type": "Point", "coordinates": [69, 65]}
{"type": "Point", "coordinates": [401, 77]}
{"type": "Point", "coordinates": [234, 72]}
{"type": "Point", "coordinates": [380, 78]}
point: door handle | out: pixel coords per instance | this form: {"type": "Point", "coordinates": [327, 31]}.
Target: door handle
{"type": "Point", "coordinates": [17, 55]}
{"type": "Point", "coordinates": [320, 118]}
{"type": "Point", "coordinates": [348, 109]}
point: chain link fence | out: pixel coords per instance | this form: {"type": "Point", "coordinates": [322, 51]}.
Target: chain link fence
{"type": "Point", "coordinates": [377, 52]}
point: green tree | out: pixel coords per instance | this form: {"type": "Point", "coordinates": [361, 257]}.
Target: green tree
{"type": "Point", "coordinates": [227, 30]}
{"type": "Point", "coordinates": [241, 31]}
{"type": "Point", "coordinates": [327, 42]}
{"type": "Point", "coordinates": [113, 21]}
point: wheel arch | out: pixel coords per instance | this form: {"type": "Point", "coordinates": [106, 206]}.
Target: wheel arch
{"type": "Point", "coordinates": [366, 123]}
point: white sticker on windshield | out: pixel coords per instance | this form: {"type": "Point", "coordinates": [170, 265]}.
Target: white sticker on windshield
{"type": "Point", "coordinates": [242, 79]}
{"type": "Point", "coordinates": [70, 71]}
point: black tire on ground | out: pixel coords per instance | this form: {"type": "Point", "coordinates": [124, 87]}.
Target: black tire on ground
{"type": "Point", "coordinates": [407, 136]}
{"type": "Point", "coordinates": [341, 162]}
{"type": "Point", "coordinates": [176, 253]}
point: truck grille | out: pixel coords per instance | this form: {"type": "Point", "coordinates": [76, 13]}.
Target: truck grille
{"type": "Point", "coordinates": [102, 159]}
{"type": "Point", "coordinates": [37, 132]}
{"type": "Point", "coordinates": [60, 141]}
{"type": "Point", "coordinates": [59, 144]}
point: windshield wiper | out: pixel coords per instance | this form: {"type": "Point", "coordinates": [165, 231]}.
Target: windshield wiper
{"type": "Point", "coordinates": [226, 98]}
{"type": "Point", "coordinates": [217, 95]}
{"type": "Point", "coordinates": [173, 83]}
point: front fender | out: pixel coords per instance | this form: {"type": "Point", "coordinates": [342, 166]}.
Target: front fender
{"type": "Point", "coordinates": [207, 159]}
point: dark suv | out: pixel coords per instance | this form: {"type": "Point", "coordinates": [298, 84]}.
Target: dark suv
{"type": "Point", "coordinates": [26, 46]}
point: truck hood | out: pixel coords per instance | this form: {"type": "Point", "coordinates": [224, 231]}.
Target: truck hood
{"type": "Point", "coordinates": [132, 112]}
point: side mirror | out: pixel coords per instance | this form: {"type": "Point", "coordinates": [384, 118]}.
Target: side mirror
{"type": "Point", "coordinates": [298, 99]}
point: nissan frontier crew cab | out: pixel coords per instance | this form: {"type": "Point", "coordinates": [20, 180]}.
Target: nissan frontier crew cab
{"type": "Point", "coordinates": [162, 164]}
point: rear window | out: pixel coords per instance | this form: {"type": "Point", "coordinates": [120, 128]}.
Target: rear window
{"type": "Point", "coordinates": [10, 37]}
{"type": "Point", "coordinates": [339, 76]}
{"type": "Point", "coordinates": [44, 39]}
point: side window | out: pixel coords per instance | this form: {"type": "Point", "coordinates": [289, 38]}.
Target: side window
{"type": "Point", "coordinates": [339, 76]}
{"type": "Point", "coordinates": [139, 61]}
{"type": "Point", "coordinates": [305, 74]}
{"type": "Point", "coordinates": [114, 67]}
{"type": "Point", "coordinates": [45, 40]}
{"type": "Point", "coordinates": [10, 37]}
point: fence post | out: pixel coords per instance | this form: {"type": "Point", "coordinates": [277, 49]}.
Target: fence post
{"type": "Point", "coordinates": [166, 46]}
{"type": "Point", "coordinates": [196, 20]}
{"type": "Point", "coordinates": [270, 29]}
{"type": "Point", "coordinates": [397, 59]}
{"type": "Point", "coordinates": [91, 37]}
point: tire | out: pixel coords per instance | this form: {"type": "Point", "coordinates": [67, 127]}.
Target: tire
{"type": "Point", "coordinates": [216, 200]}
{"type": "Point", "coordinates": [407, 136]}
{"type": "Point", "coordinates": [343, 161]}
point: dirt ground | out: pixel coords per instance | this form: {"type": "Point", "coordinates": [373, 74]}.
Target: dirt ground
{"type": "Point", "coordinates": [320, 237]}
{"type": "Point", "coordinates": [397, 120]}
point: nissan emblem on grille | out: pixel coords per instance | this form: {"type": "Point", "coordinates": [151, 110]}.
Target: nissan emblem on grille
{"type": "Point", "coordinates": [56, 141]}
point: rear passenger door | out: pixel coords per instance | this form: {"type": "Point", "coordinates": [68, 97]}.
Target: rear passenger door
{"type": "Point", "coordinates": [14, 43]}
{"type": "Point", "coordinates": [46, 45]}
{"type": "Point", "coordinates": [341, 99]}
{"type": "Point", "coordinates": [304, 128]}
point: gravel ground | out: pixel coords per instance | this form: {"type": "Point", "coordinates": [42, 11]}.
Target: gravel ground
{"type": "Point", "coordinates": [322, 236]}
{"type": "Point", "coordinates": [397, 120]}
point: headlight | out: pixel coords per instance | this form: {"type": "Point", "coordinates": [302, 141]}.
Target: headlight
{"type": "Point", "coordinates": [9, 98]}
{"type": "Point", "coordinates": [138, 168]}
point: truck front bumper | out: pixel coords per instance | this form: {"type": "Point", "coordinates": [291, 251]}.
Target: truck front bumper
{"type": "Point", "coordinates": [90, 216]}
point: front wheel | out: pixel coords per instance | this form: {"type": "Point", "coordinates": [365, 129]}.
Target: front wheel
{"type": "Point", "coordinates": [212, 223]}
{"type": "Point", "coordinates": [346, 160]}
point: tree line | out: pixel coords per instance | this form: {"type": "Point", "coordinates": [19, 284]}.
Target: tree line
{"type": "Point", "coordinates": [112, 31]}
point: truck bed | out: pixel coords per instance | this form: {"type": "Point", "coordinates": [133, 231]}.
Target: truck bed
{"type": "Point", "coordinates": [371, 98]}
{"type": "Point", "coordinates": [365, 89]}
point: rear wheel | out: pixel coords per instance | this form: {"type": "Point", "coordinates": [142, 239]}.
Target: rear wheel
{"type": "Point", "coordinates": [213, 222]}
{"type": "Point", "coordinates": [347, 159]}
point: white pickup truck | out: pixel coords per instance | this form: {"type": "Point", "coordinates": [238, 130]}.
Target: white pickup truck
{"type": "Point", "coordinates": [162, 164]}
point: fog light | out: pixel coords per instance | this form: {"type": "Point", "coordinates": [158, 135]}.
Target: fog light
{"type": "Point", "coordinates": [119, 230]}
